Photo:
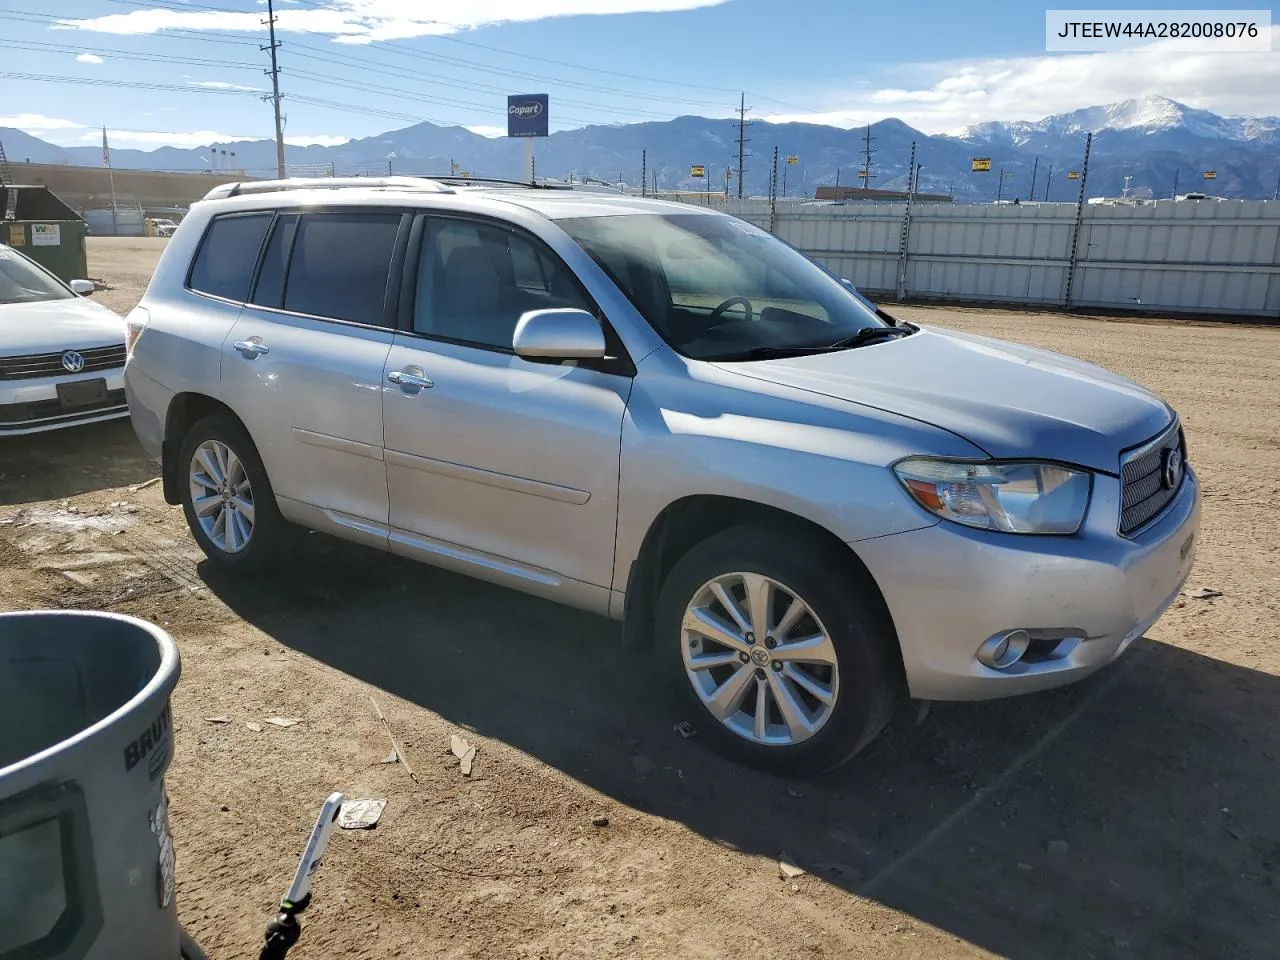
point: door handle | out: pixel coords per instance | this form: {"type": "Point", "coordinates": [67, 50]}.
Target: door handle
{"type": "Point", "coordinates": [251, 348]}
{"type": "Point", "coordinates": [402, 379]}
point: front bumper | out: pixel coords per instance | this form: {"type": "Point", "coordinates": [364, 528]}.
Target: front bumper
{"type": "Point", "coordinates": [32, 406]}
{"type": "Point", "coordinates": [949, 588]}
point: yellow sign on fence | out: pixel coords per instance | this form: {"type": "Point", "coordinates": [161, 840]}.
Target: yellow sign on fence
{"type": "Point", "coordinates": [981, 165]}
{"type": "Point", "coordinates": [1211, 174]}
{"type": "Point", "coordinates": [792, 159]}
{"type": "Point", "coordinates": [1073, 174]}
{"type": "Point", "coordinates": [697, 170]}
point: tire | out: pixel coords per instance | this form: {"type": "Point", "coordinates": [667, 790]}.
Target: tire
{"type": "Point", "coordinates": [229, 549]}
{"type": "Point", "coordinates": [842, 604]}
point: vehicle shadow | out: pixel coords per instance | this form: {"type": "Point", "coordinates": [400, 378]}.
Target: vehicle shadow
{"type": "Point", "coordinates": [66, 463]}
{"type": "Point", "coordinates": [1135, 814]}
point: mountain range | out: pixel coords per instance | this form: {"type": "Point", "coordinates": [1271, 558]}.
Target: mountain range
{"type": "Point", "coordinates": [1152, 140]}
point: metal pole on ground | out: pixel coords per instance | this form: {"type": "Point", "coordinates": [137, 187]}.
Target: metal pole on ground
{"type": "Point", "coordinates": [901, 285]}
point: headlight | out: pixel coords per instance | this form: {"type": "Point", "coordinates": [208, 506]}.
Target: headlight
{"type": "Point", "coordinates": [1011, 497]}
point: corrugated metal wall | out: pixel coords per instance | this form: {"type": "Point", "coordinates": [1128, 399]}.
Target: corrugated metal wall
{"type": "Point", "coordinates": [1205, 257]}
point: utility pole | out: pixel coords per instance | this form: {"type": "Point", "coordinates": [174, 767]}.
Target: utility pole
{"type": "Point", "coordinates": [655, 183]}
{"type": "Point", "coordinates": [644, 172]}
{"type": "Point", "coordinates": [1047, 180]}
{"type": "Point", "coordinates": [901, 285]}
{"type": "Point", "coordinates": [1174, 195]}
{"type": "Point", "coordinates": [1035, 167]}
{"type": "Point", "coordinates": [784, 178]}
{"type": "Point", "coordinates": [1276, 196]}
{"type": "Point", "coordinates": [274, 72]}
{"type": "Point", "coordinates": [773, 194]}
{"type": "Point", "coordinates": [742, 141]}
{"type": "Point", "coordinates": [866, 159]}
{"type": "Point", "coordinates": [1075, 235]}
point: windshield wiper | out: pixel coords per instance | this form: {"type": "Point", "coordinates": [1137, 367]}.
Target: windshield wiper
{"type": "Point", "coordinates": [869, 335]}
{"type": "Point", "coordinates": [862, 337]}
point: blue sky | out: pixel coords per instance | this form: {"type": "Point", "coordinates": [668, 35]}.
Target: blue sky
{"type": "Point", "coordinates": [354, 68]}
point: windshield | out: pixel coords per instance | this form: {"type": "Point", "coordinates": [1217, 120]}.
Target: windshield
{"type": "Point", "coordinates": [718, 288]}
{"type": "Point", "coordinates": [21, 281]}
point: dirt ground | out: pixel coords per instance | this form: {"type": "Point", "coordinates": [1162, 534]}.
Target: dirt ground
{"type": "Point", "coordinates": [1134, 815]}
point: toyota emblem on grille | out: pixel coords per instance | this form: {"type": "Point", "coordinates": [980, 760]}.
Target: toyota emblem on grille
{"type": "Point", "coordinates": [1171, 472]}
{"type": "Point", "coordinates": [72, 362]}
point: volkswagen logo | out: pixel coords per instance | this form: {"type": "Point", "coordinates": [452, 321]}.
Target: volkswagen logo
{"type": "Point", "coordinates": [72, 362]}
{"type": "Point", "coordinates": [1171, 471]}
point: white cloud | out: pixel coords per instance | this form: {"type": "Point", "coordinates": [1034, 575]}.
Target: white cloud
{"type": "Point", "coordinates": [484, 130]}
{"type": "Point", "coordinates": [223, 85]}
{"type": "Point", "coordinates": [948, 95]}
{"type": "Point", "coordinates": [88, 58]}
{"type": "Point", "coordinates": [37, 123]}
{"type": "Point", "coordinates": [364, 21]}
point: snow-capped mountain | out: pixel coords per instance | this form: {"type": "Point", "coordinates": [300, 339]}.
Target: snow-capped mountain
{"type": "Point", "coordinates": [1148, 115]}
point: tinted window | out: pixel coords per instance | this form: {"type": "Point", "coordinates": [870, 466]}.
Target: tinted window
{"type": "Point", "coordinates": [475, 280]}
{"type": "Point", "coordinates": [340, 265]}
{"type": "Point", "coordinates": [270, 289]}
{"type": "Point", "coordinates": [224, 265]}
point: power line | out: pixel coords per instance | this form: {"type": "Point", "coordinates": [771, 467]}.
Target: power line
{"type": "Point", "coordinates": [38, 46]}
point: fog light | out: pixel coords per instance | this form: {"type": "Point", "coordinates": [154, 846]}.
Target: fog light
{"type": "Point", "coordinates": [1004, 649]}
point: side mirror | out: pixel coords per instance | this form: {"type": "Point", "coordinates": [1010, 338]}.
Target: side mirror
{"type": "Point", "coordinates": [82, 288]}
{"type": "Point", "coordinates": [563, 334]}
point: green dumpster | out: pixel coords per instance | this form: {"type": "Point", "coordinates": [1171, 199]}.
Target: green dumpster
{"type": "Point", "coordinates": [34, 220]}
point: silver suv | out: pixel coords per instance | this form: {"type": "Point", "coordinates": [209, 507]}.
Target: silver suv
{"type": "Point", "coordinates": [669, 417]}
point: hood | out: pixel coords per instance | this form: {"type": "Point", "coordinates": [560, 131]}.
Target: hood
{"type": "Point", "coordinates": [54, 325]}
{"type": "Point", "coordinates": [1010, 400]}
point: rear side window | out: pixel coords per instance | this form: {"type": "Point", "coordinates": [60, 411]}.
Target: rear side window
{"type": "Point", "coordinates": [270, 289]}
{"type": "Point", "coordinates": [340, 265]}
{"type": "Point", "coordinates": [227, 256]}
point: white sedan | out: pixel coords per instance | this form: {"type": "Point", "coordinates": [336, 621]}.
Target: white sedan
{"type": "Point", "coordinates": [61, 356]}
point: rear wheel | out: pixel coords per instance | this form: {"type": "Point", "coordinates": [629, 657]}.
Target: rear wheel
{"type": "Point", "coordinates": [227, 497]}
{"type": "Point", "coordinates": [780, 646]}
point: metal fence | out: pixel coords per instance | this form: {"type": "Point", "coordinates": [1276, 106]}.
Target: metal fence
{"type": "Point", "coordinates": [1183, 257]}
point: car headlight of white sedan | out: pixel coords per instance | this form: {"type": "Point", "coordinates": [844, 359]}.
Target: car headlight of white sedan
{"type": "Point", "coordinates": [1037, 498]}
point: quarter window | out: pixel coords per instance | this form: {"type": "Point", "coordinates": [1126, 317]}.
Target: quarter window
{"type": "Point", "coordinates": [340, 265]}
{"type": "Point", "coordinates": [475, 281]}
{"type": "Point", "coordinates": [227, 257]}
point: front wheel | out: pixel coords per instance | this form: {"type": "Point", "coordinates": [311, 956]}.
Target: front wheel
{"type": "Point", "coordinates": [780, 646]}
{"type": "Point", "coordinates": [227, 497]}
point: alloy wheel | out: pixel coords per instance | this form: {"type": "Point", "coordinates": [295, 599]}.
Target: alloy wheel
{"type": "Point", "coordinates": [759, 659]}
{"type": "Point", "coordinates": [221, 496]}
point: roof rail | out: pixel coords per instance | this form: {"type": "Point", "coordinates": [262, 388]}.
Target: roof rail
{"type": "Point", "coordinates": [240, 189]}
{"type": "Point", "coordinates": [588, 184]}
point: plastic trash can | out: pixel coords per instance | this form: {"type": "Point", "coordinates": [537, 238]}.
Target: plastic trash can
{"type": "Point", "coordinates": [86, 734]}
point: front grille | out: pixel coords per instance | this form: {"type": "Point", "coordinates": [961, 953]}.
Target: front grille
{"type": "Point", "coordinates": [50, 364]}
{"type": "Point", "coordinates": [1144, 489]}
{"type": "Point", "coordinates": [19, 414]}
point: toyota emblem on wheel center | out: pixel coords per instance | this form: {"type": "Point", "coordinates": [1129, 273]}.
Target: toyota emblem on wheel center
{"type": "Point", "coordinates": [72, 361]}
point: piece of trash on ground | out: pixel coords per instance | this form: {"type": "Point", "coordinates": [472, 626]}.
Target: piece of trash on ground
{"type": "Point", "coordinates": [255, 727]}
{"type": "Point", "coordinates": [217, 719]}
{"type": "Point", "coordinates": [395, 746]}
{"type": "Point", "coordinates": [391, 757]}
{"type": "Point", "coordinates": [600, 821]}
{"type": "Point", "coordinates": [1202, 593]}
{"type": "Point", "coordinates": [360, 814]}
{"type": "Point", "coordinates": [787, 867]}
{"type": "Point", "coordinates": [142, 486]}
{"type": "Point", "coordinates": [284, 721]}
{"type": "Point", "coordinates": [685, 729]}
{"type": "Point", "coordinates": [465, 752]}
